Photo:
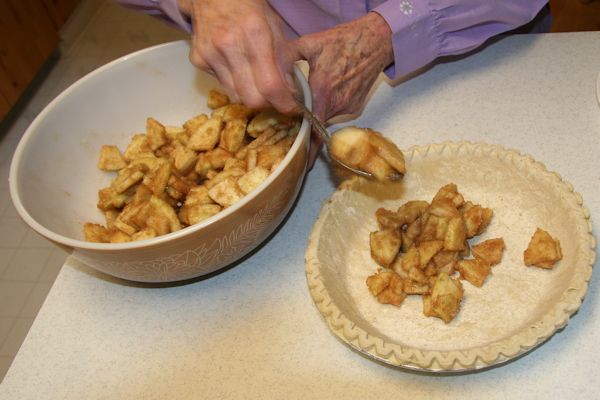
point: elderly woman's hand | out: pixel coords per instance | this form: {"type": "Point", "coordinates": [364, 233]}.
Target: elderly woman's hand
{"type": "Point", "coordinates": [242, 44]}
{"type": "Point", "coordinates": [344, 63]}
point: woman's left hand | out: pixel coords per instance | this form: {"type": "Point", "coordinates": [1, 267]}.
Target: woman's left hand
{"type": "Point", "coordinates": [344, 63]}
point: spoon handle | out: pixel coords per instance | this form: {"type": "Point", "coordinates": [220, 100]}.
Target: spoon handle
{"type": "Point", "coordinates": [316, 122]}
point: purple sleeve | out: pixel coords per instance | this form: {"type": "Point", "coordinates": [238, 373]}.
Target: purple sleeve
{"type": "Point", "coordinates": [164, 9]}
{"type": "Point", "coordinates": [426, 29]}
{"type": "Point", "coordinates": [423, 30]}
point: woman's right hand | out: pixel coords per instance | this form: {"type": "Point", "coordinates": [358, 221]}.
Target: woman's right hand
{"type": "Point", "coordinates": [241, 42]}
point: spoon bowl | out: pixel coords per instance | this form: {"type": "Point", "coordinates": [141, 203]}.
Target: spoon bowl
{"type": "Point", "coordinates": [326, 137]}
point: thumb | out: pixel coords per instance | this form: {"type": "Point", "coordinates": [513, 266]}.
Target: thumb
{"type": "Point", "coordinates": [285, 62]}
{"type": "Point", "coordinates": [295, 49]}
{"type": "Point", "coordinates": [302, 48]}
{"type": "Point", "coordinates": [305, 48]}
{"type": "Point", "coordinates": [320, 96]}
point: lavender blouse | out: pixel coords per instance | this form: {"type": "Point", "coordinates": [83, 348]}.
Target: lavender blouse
{"type": "Point", "coordinates": [423, 30]}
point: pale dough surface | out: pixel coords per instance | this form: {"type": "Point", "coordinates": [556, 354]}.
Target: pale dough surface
{"type": "Point", "coordinates": [523, 196]}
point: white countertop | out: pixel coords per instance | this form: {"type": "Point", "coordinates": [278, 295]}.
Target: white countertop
{"type": "Point", "coordinates": [253, 331]}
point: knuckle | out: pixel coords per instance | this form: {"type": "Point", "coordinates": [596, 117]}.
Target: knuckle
{"type": "Point", "coordinates": [200, 57]}
{"type": "Point", "coordinates": [271, 85]}
{"type": "Point", "coordinates": [225, 40]}
{"type": "Point", "coordinates": [197, 60]}
{"type": "Point", "coordinates": [253, 100]}
{"type": "Point", "coordinates": [287, 108]}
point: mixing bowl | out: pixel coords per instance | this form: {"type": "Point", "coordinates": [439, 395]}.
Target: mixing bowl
{"type": "Point", "coordinates": [54, 180]}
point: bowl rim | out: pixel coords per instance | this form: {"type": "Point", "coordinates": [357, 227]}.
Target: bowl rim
{"type": "Point", "coordinates": [30, 134]}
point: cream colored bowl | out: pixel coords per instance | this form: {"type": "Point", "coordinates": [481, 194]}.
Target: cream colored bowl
{"type": "Point", "coordinates": [54, 180]}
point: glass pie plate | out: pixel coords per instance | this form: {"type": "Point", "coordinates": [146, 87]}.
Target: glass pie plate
{"type": "Point", "coordinates": [517, 308]}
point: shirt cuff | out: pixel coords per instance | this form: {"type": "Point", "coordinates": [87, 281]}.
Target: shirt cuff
{"type": "Point", "coordinates": [171, 10]}
{"type": "Point", "coordinates": [414, 41]}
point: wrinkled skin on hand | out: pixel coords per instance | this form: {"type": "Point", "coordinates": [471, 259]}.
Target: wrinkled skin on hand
{"type": "Point", "coordinates": [344, 63]}
{"type": "Point", "coordinates": [242, 43]}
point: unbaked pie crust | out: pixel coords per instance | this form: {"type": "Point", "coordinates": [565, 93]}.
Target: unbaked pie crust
{"type": "Point", "coordinates": [518, 307]}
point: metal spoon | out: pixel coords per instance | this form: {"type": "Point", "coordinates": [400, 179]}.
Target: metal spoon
{"type": "Point", "coordinates": [326, 137]}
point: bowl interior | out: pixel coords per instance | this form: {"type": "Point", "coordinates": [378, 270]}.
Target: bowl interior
{"type": "Point", "coordinates": [54, 178]}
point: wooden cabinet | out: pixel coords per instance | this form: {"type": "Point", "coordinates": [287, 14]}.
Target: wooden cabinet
{"type": "Point", "coordinates": [28, 35]}
{"type": "Point", "coordinates": [59, 10]}
{"type": "Point", "coordinates": [575, 15]}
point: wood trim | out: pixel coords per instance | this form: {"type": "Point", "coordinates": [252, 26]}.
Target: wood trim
{"type": "Point", "coordinates": [575, 15]}
{"type": "Point", "coordinates": [28, 36]}
{"type": "Point", "coordinates": [5, 106]}
{"type": "Point", "coordinates": [59, 10]}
